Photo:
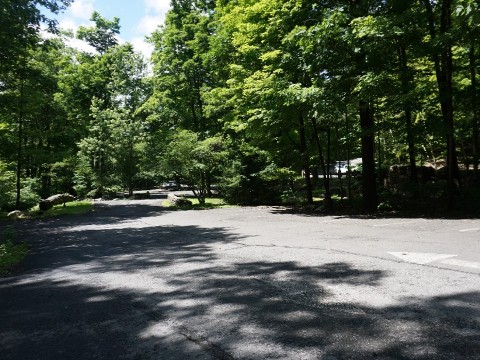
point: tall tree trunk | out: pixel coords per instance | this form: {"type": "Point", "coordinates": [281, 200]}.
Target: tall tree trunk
{"type": "Point", "coordinates": [349, 154]}
{"type": "Point", "coordinates": [326, 180]}
{"type": "Point", "coordinates": [444, 73]}
{"type": "Point", "coordinates": [194, 116]}
{"type": "Point", "coordinates": [21, 119]}
{"type": "Point", "coordinates": [369, 183]}
{"type": "Point", "coordinates": [407, 109]}
{"type": "Point", "coordinates": [305, 158]}
{"type": "Point", "coordinates": [202, 190]}
{"type": "Point", "coordinates": [130, 170]}
{"type": "Point", "coordinates": [337, 145]}
{"type": "Point", "coordinates": [475, 135]}
{"type": "Point", "coordinates": [19, 158]}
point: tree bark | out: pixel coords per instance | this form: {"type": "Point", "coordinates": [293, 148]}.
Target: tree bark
{"type": "Point", "coordinates": [406, 84]}
{"type": "Point", "coordinates": [21, 119]}
{"type": "Point", "coordinates": [475, 132]}
{"type": "Point", "coordinates": [305, 158]}
{"type": "Point", "coordinates": [349, 154]}
{"type": "Point", "coordinates": [444, 73]}
{"type": "Point", "coordinates": [326, 179]}
{"type": "Point", "coordinates": [369, 183]}
{"type": "Point", "coordinates": [19, 159]}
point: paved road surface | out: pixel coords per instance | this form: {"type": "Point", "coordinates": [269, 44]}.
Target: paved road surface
{"type": "Point", "coordinates": [133, 280]}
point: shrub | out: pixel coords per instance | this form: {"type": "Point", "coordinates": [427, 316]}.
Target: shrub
{"type": "Point", "coordinates": [10, 253]}
{"type": "Point", "coordinates": [28, 193]}
{"type": "Point", "coordinates": [7, 188]}
{"type": "Point", "coordinates": [247, 183]}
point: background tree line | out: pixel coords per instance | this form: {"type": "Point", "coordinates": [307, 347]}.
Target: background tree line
{"type": "Point", "coordinates": [246, 94]}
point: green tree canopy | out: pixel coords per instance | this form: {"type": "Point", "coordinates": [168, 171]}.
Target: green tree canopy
{"type": "Point", "coordinates": [103, 35]}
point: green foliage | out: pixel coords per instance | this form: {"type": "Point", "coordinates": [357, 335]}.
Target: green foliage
{"type": "Point", "coordinates": [113, 148]}
{"type": "Point", "coordinates": [195, 162]}
{"type": "Point", "coordinates": [290, 197]}
{"type": "Point", "coordinates": [242, 94]}
{"type": "Point", "coordinates": [103, 35]}
{"type": "Point", "coordinates": [19, 26]}
{"type": "Point", "coordinates": [7, 188]}
{"type": "Point", "coordinates": [61, 176]}
{"type": "Point", "coordinates": [11, 253]}
{"type": "Point", "coordinates": [29, 191]}
{"type": "Point", "coordinates": [247, 181]}
{"type": "Point", "coordinates": [183, 69]}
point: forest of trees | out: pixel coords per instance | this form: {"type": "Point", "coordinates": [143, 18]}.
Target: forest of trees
{"type": "Point", "coordinates": [249, 95]}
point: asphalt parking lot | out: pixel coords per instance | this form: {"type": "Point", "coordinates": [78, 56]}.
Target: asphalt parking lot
{"type": "Point", "coordinates": [133, 280]}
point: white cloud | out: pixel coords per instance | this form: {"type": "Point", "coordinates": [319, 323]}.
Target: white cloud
{"type": "Point", "coordinates": [157, 6]}
{"type": "Point", "coordinates": [149, 23]}
{"type": "Point", "coordinates": [82, 9]}
{"type": "Point", "coordinates": [140, 45]}
{"type": "Point", "coordinates": [78, 14]}
{"type": "Point", "coordinates": [68, 24]}
{"type": "Point", "coordinates": [45, 34]}
{"type": "Point", "coordinates": [155, 11]}
{"type": "Point", "coordinates": [80, 45]}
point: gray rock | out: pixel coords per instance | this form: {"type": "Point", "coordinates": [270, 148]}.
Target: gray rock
{"type": "Point", "coordinates": [178, 201]}
{"type": "Point", "coordinates": [14, 215]}
{"type": "Point", "coordinates": [58, 199]}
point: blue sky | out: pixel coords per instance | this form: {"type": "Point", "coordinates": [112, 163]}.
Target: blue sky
{"type": "Point", "coordinates": [138, 18]}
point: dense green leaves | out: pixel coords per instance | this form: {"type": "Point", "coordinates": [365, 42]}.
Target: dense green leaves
{"type": "Point", "coordinates": [245, 94]}
{"type": "Point", "coordinates": [194, 162]}
{"type": "Point", "coordinates": [103, 35]}
{"type": "Point", "coordinates": [114, 145]}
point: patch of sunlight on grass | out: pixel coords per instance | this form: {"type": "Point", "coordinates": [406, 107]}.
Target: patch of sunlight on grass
{"type": "Point", "coordinates": [70, 208]}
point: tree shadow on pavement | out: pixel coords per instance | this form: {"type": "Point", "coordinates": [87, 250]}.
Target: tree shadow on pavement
{"type": "Point", "coordinates": [111, 291]}
{"type": "Point", "coordinates": [359, 214]}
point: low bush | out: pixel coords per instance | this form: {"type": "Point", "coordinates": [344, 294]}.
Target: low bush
{"type": "Point", "coordinates": [11, 253]}
{"type": "Point", "coordinates": [28, 192]}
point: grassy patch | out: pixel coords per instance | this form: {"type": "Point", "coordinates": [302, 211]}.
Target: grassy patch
{"type": "Point", "coordinates": [71, 208]}
{"type": "Point", "coordinates": [10, 253]}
